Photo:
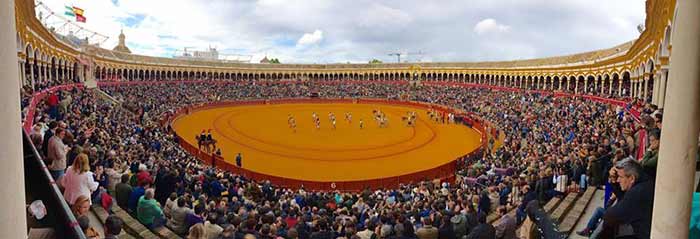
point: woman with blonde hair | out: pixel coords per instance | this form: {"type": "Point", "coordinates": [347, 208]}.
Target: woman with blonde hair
{"type": "Point", "coordinates": [81, 206]}
{"type": "Point", "coordinates": [79, 181]}
{"type": "Point", "coordinates": [197, 232]}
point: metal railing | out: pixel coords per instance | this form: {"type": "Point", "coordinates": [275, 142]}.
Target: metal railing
{"type": "Point", "coordinates": [39, 185]}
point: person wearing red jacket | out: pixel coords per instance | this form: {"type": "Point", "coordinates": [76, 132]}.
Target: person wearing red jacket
{"type": "Point", "coordinates": [52, 101]}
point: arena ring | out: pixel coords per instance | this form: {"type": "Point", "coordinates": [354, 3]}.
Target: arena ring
{"type": "Point", "coordinates": [444, 170]}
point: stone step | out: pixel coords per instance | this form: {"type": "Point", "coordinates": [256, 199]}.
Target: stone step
{"type": "Point", "coordinates": [577, 211]}
{"type": "Point", "coordinates": [133, 226]}
{"type": "Point", "coordinates": [564, 207]}
{"type": "Point", "coordinates": [102, 215]}
{"type": "Point", "coordinates": [166, 233]}
{"type": "Point", "coordinates": [551, 205]}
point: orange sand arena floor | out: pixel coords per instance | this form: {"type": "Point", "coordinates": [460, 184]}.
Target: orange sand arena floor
{"type": "Point", "coordinates": [267, 144]}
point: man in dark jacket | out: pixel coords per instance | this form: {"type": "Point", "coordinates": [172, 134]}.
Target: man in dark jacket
{"type": "Point", "coordinates": [323, 231]}
{"type": "Point", "coordinates": [484, 202]}
{"type": "Point", "coordinates": [541, 188]}
{"type": "Point", "coordinates": [165, 184]}
{"type": "Point", "coordinates": [634, 210]}
{"type": "Point", "coordinates": [472, 219]}
{"type": "Point", "coordinates": [529, 195]}
{"type": "Point", "coordinates": [123, 192]}
{"type": "Point", "coordinates": [596, 170]}
{"type": "Point", "coordinates": [506, 225]}
{"type": "Point", "coordinates": [446, 230]}
{"type": "Point", "coordinates": [483, 230]}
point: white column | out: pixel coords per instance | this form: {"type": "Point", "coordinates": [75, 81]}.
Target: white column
{"type": "Point", "coordinates": [662, 88]}
{"type": "Point", "coordinates": [20, 67]}
{"type": "Point", "coordinates": [44, 79]}
{"type": "Point", "coordinates": [585, 85]}
{"type": "Point", "coordinates": [31, 73]}
{"type": "Point", "coordinates": [619, 86]}
{"type": "Point", "coordinates": [655, 90]}
{"type": "Point", "coordinates": [561, 82]}
{"type": "Point", "coordinates": [645, 87]}
{"type": "Point", "coordinates": [597, 81]}
{"type": "Point", "coordinates": [679, 137]}
{"type": "Point", "coordinates": [13, 222]}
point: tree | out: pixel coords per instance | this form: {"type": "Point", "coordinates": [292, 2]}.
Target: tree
{"type": "Point", "coordinates": [274, 61]}
{"type": "Point", "coordinates": [375, 61]}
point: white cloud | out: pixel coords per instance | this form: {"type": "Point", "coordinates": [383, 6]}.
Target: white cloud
{"type": "Point", "coordinates": [310, 38]}
{"type": "Point", "coordinates": [489, 25]}
{"type": "Point", "coordinates": [360, 30]}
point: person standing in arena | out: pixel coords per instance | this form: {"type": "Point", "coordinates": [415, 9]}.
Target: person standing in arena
{"type": "Point", "coordinates": [362, 124]}
{"type": "Point", "coordinates": [293, 124]}
{"type": "Point", "coordinates": [239, 160]}
{"type": "Point", "coordinates": [202, 139]}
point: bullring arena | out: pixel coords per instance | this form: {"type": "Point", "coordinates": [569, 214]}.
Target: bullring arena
{"type": "Point", "coordinates": [102, 142]}
{"type": "Point", "coordinates": [348, 153]}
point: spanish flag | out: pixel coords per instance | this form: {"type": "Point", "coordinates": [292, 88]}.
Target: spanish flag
{"type": "Point", "coordinates": [75, 12]}
{"type": "Point", "coordinates": [78, 11]}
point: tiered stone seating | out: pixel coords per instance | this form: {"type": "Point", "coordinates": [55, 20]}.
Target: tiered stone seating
{"type": "Point", "coordinates": [493, 216]}
{"type": "Point", "coordinates": [563, 207]}
{"type": "Point", "coordinates": [551, 205]}
{"type": "Point", "coordinates": [577, 211]}
{"type": "Point", "coordinates": [140, 230]}
{"type": "Point", "coordinates": [102, 215]}
{"type": "Point", "coordinates": [165, 233]}
{"type": "Point", "coordinates": [568, 211]}
{"type": "Point", "coordinates": [133, 226]}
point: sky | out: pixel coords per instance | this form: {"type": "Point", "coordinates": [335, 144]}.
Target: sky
{"type": "Point", "coordinates": [357, 31]}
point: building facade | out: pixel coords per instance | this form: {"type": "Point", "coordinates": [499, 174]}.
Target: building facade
{"type": "Point", "coordinates": [636, 69]}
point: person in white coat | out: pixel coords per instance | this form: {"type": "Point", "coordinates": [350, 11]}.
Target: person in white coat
{"type": "Point", "coordinates": [78, 180]}
{"type": "Point", "coordinates": [560, 180]}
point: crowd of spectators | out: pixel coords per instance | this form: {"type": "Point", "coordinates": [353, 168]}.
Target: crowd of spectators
{"type": "Point", "coordinates": [551, 146]}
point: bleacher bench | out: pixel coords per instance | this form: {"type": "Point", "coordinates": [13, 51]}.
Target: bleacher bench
{"type": "Point", "coordinates": [563, 207]}
{"type": "Point", "coordinates": [577, 211]}
{"type": "Point", "coordinates": [102, 215]}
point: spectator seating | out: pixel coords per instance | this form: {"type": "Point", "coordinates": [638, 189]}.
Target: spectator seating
{"type": "Point", "coordinates": [567, 212]}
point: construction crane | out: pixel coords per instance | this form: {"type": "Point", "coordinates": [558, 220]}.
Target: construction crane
{"type": "Point", "coordinates": [399, 54]}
